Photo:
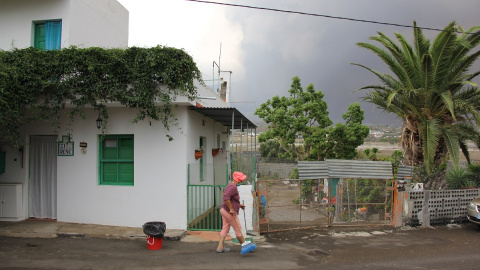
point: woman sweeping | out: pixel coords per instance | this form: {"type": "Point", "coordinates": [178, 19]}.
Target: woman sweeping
{"type": "Point", "coordinates": [229, 210]}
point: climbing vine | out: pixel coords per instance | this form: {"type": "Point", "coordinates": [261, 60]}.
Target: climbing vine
{"type": "Point", "coordinates": [37, 85]}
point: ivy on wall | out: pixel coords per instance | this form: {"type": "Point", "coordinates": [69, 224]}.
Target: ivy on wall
{"type": "Point", "coordinates": [37, 85]}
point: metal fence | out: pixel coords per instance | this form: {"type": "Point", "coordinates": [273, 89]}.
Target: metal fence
{"type": "Point", "coordinates": [363, 202]}
{"type": "Point", "coordinates": [246, 163]}
{"type": "Point", "coordinates": [300, 204]}
{"type": "Point", "coordinates": [206, 181]}
{"type": "Point", "coordinates": [204, 202]}
{"type": "Point", "coordinates": [204, 198]}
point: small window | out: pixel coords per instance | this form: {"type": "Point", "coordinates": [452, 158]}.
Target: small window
{"type": "Point", "coordinates": [48, 35]}
{"type": "Point", "coordinates": [116, 160]}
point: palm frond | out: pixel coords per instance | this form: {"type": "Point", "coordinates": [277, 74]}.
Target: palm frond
{"type": "Point", "coordinates": [410, 63]}
{"type": "Point", "coordinates": [448, 101]}
{"type": "Point", "coordinates": [461, 67]}
{"type": "Point", "coordinates": [452, 143]}
{"type": "Point", "coordinates": [422, 44]}
{"type": "Point", "coordinates": [464, 148]}
{"type": "Point", "coordinates": [442, 51]}
{"type": "Point", "coordinates": [430, 136]}
{"type": "Point", "coordinates": [389, 60]}
{"type": "Point", "coordinates": [427, 71]}
{"type": "Point", "coordinates": [385, 78]}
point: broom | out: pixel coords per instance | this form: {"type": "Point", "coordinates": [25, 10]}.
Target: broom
{"type": "Point", "coordinates": [247, 246]}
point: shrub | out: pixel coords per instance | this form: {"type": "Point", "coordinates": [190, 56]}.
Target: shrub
{"type": "Point", "coordinates": [473, 175]}
{"type": "Point", "coordinates": [294, 174]}
{"type": "Point", "coordinates": [456, 178]}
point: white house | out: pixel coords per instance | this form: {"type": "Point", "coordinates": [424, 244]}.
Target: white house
{"type": "Point", "coordinates": [83, 23]}
{"type": "Point", "coordinates": [132, 174]}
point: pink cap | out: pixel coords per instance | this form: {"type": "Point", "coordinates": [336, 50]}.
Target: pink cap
{"type": "Point", "coordinates": [239, 177]}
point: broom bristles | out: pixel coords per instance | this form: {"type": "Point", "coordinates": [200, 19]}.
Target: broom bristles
{"type": "Point", "coordinates": [248, 248]}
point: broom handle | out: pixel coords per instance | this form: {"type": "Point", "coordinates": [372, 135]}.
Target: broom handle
{"type": "Point", "coordinates": [244, 216]}
{"type": "Point", "coordinates": [240, 228]}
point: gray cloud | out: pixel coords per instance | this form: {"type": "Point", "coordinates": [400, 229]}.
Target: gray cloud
{"type": "Point", "coordinates": [279, 46]}
{"type": "Point", "coordinates": [265, 49]}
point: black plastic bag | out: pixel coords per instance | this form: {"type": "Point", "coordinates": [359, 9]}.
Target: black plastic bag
{"type": "Point", "coordinates": [154, 228]}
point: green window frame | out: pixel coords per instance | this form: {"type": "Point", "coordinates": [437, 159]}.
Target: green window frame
{"type": "Point", "coordinates": [47, 37]}
{"type": "Point", "coordinates": [116, 160]}
{"type": "Point", "coordinates": [39, 36]}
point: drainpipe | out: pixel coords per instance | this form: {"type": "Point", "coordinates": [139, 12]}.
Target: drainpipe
{"type": "Point", "coordinates": [231, 146]}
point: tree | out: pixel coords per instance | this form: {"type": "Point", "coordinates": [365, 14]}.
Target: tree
{"type": "Point", "coordinates": [431, 91]}
{"type": "Point", "coordinates": [304, 115]}
{"type": "Point", "coordinates": [36, 85]}
{"type": "Point", "coordinates": [271, 149]}
{"type": "Point", "coordinates": [343, 139]}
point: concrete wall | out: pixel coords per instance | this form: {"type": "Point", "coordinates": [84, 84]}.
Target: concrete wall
{"type": "Point", "coordinates": [283, 170]}
{"type": "Point", "coordinates": [85, 23]}
{"type": "Point", "coordinates": [434, 207]}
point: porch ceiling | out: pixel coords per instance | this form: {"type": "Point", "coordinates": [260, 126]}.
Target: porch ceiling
{"type": "Point", "coordinates": [224, 117]}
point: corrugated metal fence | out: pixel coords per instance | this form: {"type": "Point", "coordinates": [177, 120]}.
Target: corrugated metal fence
{"type": "Point", "coordinates": [330, 192]}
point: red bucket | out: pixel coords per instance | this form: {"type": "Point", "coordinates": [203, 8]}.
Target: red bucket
{"type": "Point", "coordinates": [154, 243]}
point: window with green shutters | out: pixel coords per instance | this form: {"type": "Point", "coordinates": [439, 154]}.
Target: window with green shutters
{"type": "Point", "coordinates": [48, 35]}
{"type": "Point", "coordinates": [116, 160]}
{"type": "Point", "coordinates": [39, 41]}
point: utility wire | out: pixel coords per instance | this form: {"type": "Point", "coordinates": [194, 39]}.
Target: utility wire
{"type": "Point", "coordinates": [316, 15]}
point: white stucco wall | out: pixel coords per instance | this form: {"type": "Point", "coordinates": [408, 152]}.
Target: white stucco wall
{"type": "Point", "coordinates": [16, 19]}
{"type": "Point", "coordinates": [160, 188]}
{"type": "Point", "coordinates": [85, 23]}
{"type": "Point", "coordinates": [95, 23]}
{"type": "Point", "coordinates": [159, 191]}
{"type": "Point", "coordinates": [201, 126]}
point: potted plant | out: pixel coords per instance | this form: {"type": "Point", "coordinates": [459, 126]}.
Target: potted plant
{"type": "Point", "coordinates": [215, 151]}
{"type": "Point", "coordinates": [199, 153]}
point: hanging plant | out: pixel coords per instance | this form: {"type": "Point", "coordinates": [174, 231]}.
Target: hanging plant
{"type": "Point", "coordinates": [199, 153]}
{"type": "Point", "coordinates": [36, 85]}
{"type": "Point", "coordinates": [215, 151]}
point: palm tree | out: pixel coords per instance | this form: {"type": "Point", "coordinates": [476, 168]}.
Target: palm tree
{"type": "Point", "coordinates": [431, 91]}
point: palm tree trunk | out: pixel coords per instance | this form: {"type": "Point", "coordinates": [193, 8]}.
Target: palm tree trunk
{"type": "Point", "coordinates": [411, 143]}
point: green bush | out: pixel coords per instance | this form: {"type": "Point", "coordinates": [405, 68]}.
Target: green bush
{"type": "Point", "coordinates": [473, 175]}
{"type": "Point", "coordinates": [463, 177]}
{"type": "Point", "coordinates": [294, 174]}
{"type": "Point", "coordinates": [456, 178]}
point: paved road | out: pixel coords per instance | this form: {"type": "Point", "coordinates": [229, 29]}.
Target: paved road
{"type": "Point", "coordinates": [453, 247]}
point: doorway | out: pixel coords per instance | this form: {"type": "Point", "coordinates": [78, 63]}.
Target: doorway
{"type": "Point", "coordinates": [42, 195]}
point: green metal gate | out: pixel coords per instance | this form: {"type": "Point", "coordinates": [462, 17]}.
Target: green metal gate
{"type": "Point", "coordinates": [204, 202]}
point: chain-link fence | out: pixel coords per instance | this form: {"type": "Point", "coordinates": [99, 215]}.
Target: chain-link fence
{"type": "Point", "coordinates": [297, 204]}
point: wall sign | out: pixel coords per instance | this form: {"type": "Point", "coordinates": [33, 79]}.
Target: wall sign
{"type": "Point", "coordinates": [65, 147]}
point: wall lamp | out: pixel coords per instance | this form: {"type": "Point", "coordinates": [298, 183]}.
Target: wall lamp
{"type": "Point", "coordinates": [99, 121]}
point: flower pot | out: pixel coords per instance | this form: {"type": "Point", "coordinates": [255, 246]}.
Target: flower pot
{"type": "Point", "coordinates": [215, 151]}
{"type": "Point", "coordinates": [198, 154]}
